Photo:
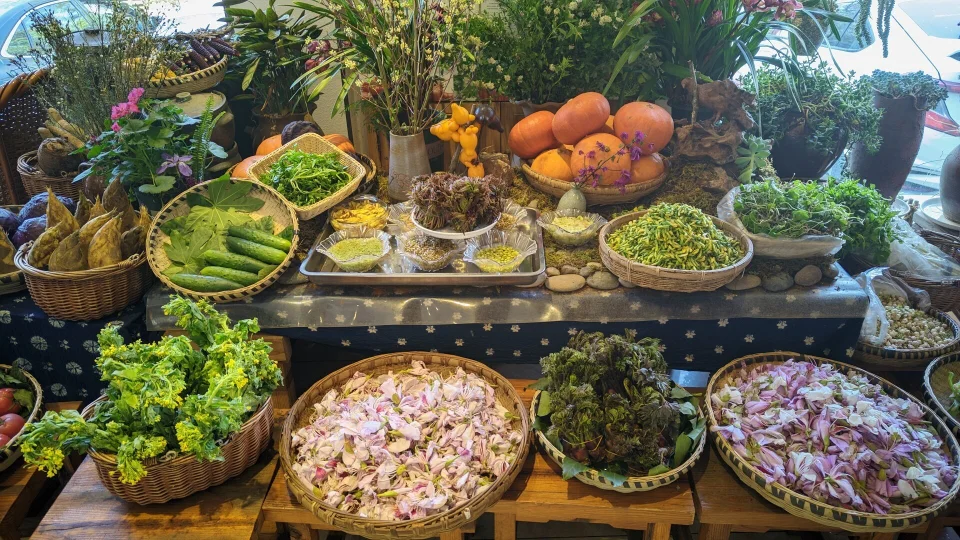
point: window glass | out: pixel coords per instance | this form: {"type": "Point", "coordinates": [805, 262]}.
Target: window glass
{"type": "Point", "coordinates": [848, 33]}
{"type": "Point", "coordinates": [937, 18]}
{"type": "Point", "coordinates": [19, 44]}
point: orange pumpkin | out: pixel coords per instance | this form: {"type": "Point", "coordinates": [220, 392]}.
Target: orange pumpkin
{"type": "Point", "coordinates": [653, 121]}
{"type": "Point", "coordinates": [554, 164]}
{"type": "Point", "coordinates": [646, 168]}
{"type": "Point", "coordinates": [269, 145]}
{"type": "Point", "coordinates": [581, 116]}
{"type": "Point", "coordinates": [532, 135]}
{"type": "Point", "coordinates": [341, 142]}
{"type": "Point", "coordinates": [242, 170]}
{"type": "Point", "coordinates": [588, 153]}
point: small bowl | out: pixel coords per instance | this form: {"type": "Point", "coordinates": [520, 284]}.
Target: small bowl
{"type": "Point", "coordinates": [353, 202]}
{"type": "Point", "coordinates": [524, 244]}
{"type": "Point", "coordinates": [400, 218]}
{"type": "Point", "coordinates": [570, 238]}
{"type": "Point", "coordinates": [423, 264]}
{"type": "Point", "coordinates": [449, 233]}
{"type": "Point", "coordinates": [362, 263]}
{"type": "Point", "coordinates": [510, 216]}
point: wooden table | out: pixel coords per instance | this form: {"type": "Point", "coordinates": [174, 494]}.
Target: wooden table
{"type": "Point", "coordinates": [85, 510]}
{"type": "Point", "coordinates": [539, 495]}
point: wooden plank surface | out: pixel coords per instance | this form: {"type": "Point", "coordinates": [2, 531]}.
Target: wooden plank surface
{"type": "Point", "coordinates": [85, 510]}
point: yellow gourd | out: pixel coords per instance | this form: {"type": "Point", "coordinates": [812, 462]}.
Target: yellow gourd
{"type": "Point", "coordinates": [475, 171]}
{"type": "Point", "coordinates": [461, 115]}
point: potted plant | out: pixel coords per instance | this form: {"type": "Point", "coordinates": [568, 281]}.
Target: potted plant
{"type": "Point", "coordinates": [904, 100]}
{"type": "Point", "coordinates": [153, 149]}
{"type": "Point", "coordinates": [275, 50]}
{"type": "Point", "coordinates": [402, 50]}
{"type": "Point", "coordinates": [814, 25]}
{"type": "Point", "coordinates": [542, 52]}
{"type": "Point", "coordinates": [811, 130]}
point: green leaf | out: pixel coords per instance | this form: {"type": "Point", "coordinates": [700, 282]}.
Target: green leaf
{"type": "Point", "coordinates": [160, 185]}
{"type": "Point", "coordinates": [287, 234]}
{"type": "Point", "coordinates": [697, 430]}
{"type": "Point", "coordinates": [24, 398]}
{"type": "Point", "coordinates": [224, 194]}
{"type": "Point", "coordinates": [216, 150]}
{"type": "Point", "coordinates": [678, 392]}
{"type": "Point", "coordinates": [543, 406]}
{"type": "Point", "coordinates": [572, 467]}
{"type": "Point", "coordinates": [248, 76]}
{"type": "Point", "coordinates": [540, 424]}
{"type": "Point", "coordinates": [540, 384]}
{"type": "Point", "coordinates": [273, 34]}
{"type": "Point", "coordinates": [682, 449]}
{"type": "Point", "coordinates": [659, 469]}
{"type": "Point", "coordinates": [264, 224]}
{"type": "Point", "coordinates": [688, 408]}
{"type": "Point", "coordinates": [615, 478]}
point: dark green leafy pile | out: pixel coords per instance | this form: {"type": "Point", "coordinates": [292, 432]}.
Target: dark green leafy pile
{"type": "Point", "coordinates": [463, 203]}
{"type": "Point", "coordinates": [165, 396]}
{"type": "Point", "coordinates": [790, 209]}
{"type": "Point", "coordinates": [609, 404]}
{"type": "Point", "coordinates": [305, 179]}
{"type": "Point", "coordinates": [871, 229]}
{"type": "Point", "coordinates": [925, 90]}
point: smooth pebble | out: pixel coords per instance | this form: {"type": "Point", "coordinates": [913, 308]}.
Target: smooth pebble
{"type": "Point", "coordinates": [808, 276]}
{"type": "Point", "coordinates": [586, 271]}
{"type": "Point", "coordinates": [566, 283]}
{"type": "Point", "coordinates": [551, 271]}
{"type": "Point", "coordinates": [603, 281]}
{"type": "Point", "coordinates": [743, 283]}
{"type": "Point", "coordinates": [627, 284]}
{"type": "Point", "coordinates": [569, 269]}
{"type": "Point", "coordinates": [780, 281]}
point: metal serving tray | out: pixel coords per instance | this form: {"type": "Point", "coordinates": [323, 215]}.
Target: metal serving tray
{"type": "Point", "coordinates": [398, 272]}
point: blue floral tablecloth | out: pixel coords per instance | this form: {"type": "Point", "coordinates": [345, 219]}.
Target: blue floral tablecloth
{"type": "Point", "coordinates": [60, 354]}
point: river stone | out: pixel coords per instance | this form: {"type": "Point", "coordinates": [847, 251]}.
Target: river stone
{"type": "Point", "coordinates": [627, 284]}
{"type": "Point", "coordinates": [830, 271]}
{"type": "Point", "coordinates": [551, 271]}
{"type": "Point", "coordinates": [595, 265]}
{"type": "Point", "coordinates": [586, 271]}
{"type": "Point", "coordinates": [743, 283]}
{"type": "Point", "coordinates": [780, 281]}
{"type": "Point", "coordinates": [566, 283]}
{"type": "Point", "coordinates": [808, 276]}
{"type": "Point", "coordinates": [569, 269]}
{"type": "Point", "coordinates": [603, 281]}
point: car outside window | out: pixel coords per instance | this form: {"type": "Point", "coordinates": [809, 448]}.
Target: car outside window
{"type": "Point", "coordinates": [937, 18]}
{"type": "Point", "coordinates": [19, 43]}
{"type": "Point", "coordinates": [848, 33]}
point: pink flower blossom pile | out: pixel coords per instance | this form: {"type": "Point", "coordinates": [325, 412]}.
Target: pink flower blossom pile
{"type": "Point", "coordinates": [406, 445]}
{"type": "Point", "coordinates": [835, 437]}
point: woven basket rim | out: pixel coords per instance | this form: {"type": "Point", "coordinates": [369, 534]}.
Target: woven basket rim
{"type": "Point", "coordinates": [629, 189]}
{"type": "Point", "coordinates": [190, 77]}
{"type": "Point", "coordinates": [871, 351]}
{"type": "Point", "coordinates": [404, 358]}
{"type": "Point", "coordinates": [157, 238]}
{"type": "Point", "coordinates": [675, 274]}
{"type": "Point", "coordinates": [928, 373]}
{"type": "Point", "coordinates": [25, 167]}
{"type": "Point", "coordinates": [676, 471]}
{"type": "Point", "coordinates": [780, 357]}
{"type": "Point", "coordinates": [37, 402]}
{"type": "Point", "coordinates": [20, 260]}
{"type": "Point", "coordinates": [111, 459]}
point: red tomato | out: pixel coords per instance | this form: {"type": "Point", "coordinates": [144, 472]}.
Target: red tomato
{"type": "Point", "coordinates": [7, 392]}
{"type": "Point", "coordinates": [4, 440]}
{"type": "Point", "coordinates": [11, 424]}
{"type": "Point", "coordinates": [6, 403]}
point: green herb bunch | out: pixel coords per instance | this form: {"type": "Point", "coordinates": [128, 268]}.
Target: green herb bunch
{"type": "Point", "coordinates": [827, 109]}
{"type": "Point", "coordinates": [790, 209]}
{"type": "Point", "coordinates": [164, 397]}
{"type": "Point", "coordinates": [924, 89]}
{"type": "Point", "coordinates": [304, 178]}
{"type": "Point", "coordinates": [608, 402]}
{"type": "Point", "coordinates": [871, 229]}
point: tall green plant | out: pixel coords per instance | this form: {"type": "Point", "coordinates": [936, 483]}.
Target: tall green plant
{"type": "Point", "coordinates": [88, 77]}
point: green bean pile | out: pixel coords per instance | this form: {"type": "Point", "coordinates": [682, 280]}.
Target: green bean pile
{"type": "Point", "coordinates": [305, 179]}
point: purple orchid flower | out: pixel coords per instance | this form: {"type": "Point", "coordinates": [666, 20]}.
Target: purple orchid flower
{"type": "Point", "coordinates": [180, 163]}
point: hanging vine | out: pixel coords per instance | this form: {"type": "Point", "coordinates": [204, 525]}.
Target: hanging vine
{"type": "Point", "coordinates": [884, 12]}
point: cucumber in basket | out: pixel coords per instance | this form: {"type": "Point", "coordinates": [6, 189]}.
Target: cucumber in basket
{"type": "Point", "coordinates": [235, 261]}
{"type": "Point", "coordinates": [260, 237]}
{"type": "Point", "coordinates": [238, 276]}
{"type": "Point", "coordinates": [260, 252]}
{"type": "Point", "coordinates": [201, 283]}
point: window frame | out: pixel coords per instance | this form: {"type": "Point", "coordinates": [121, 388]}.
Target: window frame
{"type": "Point", "coordinates": [4, 51]}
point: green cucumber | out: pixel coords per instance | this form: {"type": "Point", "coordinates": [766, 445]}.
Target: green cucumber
{"type": "Point", "coordinates": [233, 260]}
{"type": "Point", "coordinates": [199, 283]}
{"type": "Point", "coordinates": [229, 274]}
{"type": "Point", "coordinates": [260, 237]}
{"type": "Point", "coordinates": [252, 249]}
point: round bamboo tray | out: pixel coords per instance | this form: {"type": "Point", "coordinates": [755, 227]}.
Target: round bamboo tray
{"type": "Point", "coordinates": [275, 205]}
{"type": "Point", "coordinates": [312, 143]}
{"type": "Point", "coordinates": [35, 181]}
{"type": "Point", "coordinates": [85, 295]}
{"type": "Point", "coordinates": [8, 454]}
{"type": "Point", "coordinates": [633, 484]}
{"type": "Point", "coordinates": [432, 526]}
{"type": "Point", "coordinates": [197, 81]}
{"type": "Point", "coordinates": [184, 475]}
{"type": "Point", "coordinates": [883, 358]}
{"type": "Point", "coordinates": [596, 196]}
{"type": "Point", "coordinates": [936, 388]}
{"type": "Point", "coordinates": [668, 279]}
{"type": "Point", "coordinates": [799, 504]}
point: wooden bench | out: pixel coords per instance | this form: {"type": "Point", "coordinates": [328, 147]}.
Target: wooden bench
{"type": "Point", "coordinates": [538, 495]}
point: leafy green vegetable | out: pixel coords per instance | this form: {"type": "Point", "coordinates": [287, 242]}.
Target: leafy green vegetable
{"type": "Point", "coordinates": [790, 209]}
{"type": "Point", "coordinates": [615, 478]}
{"type": "Point", "coordinates": [164, 396]}
{"type": "Point", "coordinates": [543, 407]}
{"type": "Point", "coordinates": [572, 467]}
{"type": "Point", "coordinates": [187, 252]}
{"type": "Point", "coordinates": [24, 398]}
{"type": "Point", "coordinates": [305, 179]}
{"type": "Point", "coordinates": [871, 229]}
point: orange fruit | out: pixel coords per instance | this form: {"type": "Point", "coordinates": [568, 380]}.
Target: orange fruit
{"type": "Point", "coordinates": [269, 145]}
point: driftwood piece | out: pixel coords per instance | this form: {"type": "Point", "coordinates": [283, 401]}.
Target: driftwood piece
{"type": "Point", "coordinates": [725, 99]}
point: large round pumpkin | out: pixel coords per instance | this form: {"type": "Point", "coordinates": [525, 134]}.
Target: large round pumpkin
{"type": "Point", "coordinates": [554, 164]}
{"type": "Point", "coordinates": [532, 135]}
{"type": "Point", "coordinates": [646, 168]}
{"type": "Point", "coordinates": [341, 142]}
{"type": "Point", "coordinates": [269, 145]}
{"type": "Point", "coordinates": [581, 116]}
{"type": "Point", "coordinates": [654, 122]}
{"type": "Point", "coordinates": [593, 151]}
{"type": "Point", "coordinates": [242, 170]}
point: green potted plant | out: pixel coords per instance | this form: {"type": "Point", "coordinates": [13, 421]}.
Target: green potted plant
{"type": "Point", "coordinates": [275, 50]}
{"type": "Point", "coordinates": [540, 52]}
{"type": "Point", "coordinates": [153, 149]}
{"type": "Point", "coordinates": [814, 25]}
{"type": "Point", "coordinates": [811, 115]}
{"type": "Point", "coordinates": [904, 100]}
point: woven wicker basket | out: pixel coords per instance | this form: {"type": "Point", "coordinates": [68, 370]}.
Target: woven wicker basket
{"type": "Point", "coordinates": [275, 205]}
{"type": "Point", "coordinates": [197, 81]}
{"type": "Point", "coordinates": [35, 181]}
{"type": "Point", "coordinates": [20, 116]}
{"type": "Point", "coordinates": [881, 357]}
{"type": "Point", "coordinates": [8, 454]}
{"type": "Point", "coordinates": [633, 484]}
{"type": "Point", "coordinates": [85, 295]}
{"type": "Point", "coordinates": [799, 504]}
{"type": "Point", "coordinates": [667, 279]}
{"type": "Point", "coordinates": [596, 196]}
{"type": "Point", "coordinates": [944, 293]}
{"type": "Point", "coordinates": [936, 388]}
{"type": "Point", "coordinates": [185, 475]}
{"type": "Point", "coordinates": [418, 528]}
{"type": "Point", "coordinates": [12, 282]}
{"type": "Point", "coordinates": [312, 143]}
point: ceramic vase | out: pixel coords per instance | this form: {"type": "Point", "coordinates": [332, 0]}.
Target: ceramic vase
{"type": "Point", "coordinates": [950, 185]}
{"type": "Point", "coordinates": [793, 158]}
{"type": "Point", "coordinates": [408, 160]}
{"type": "Point", "coordinates": [902, 130]}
